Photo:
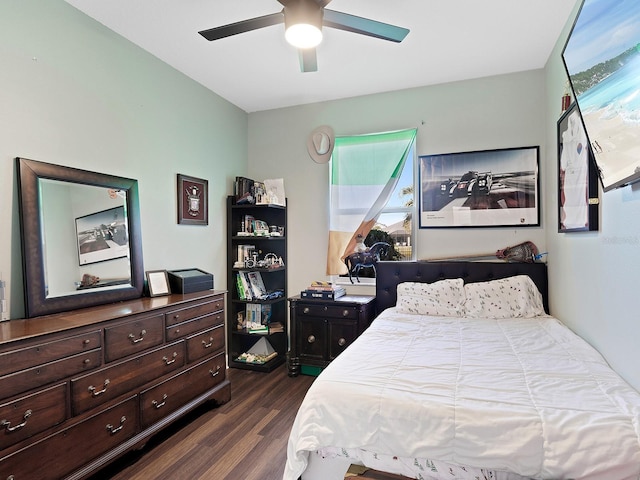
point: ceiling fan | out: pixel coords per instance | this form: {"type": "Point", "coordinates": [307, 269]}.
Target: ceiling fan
{"type": "Point", "coordinates": [303, 20]}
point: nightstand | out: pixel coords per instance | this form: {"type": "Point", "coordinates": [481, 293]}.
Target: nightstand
{"type": "Point", "coordinates": [322, 329]}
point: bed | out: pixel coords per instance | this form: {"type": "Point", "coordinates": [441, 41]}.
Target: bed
{"type": "Point", "coordinates": [464, 374]}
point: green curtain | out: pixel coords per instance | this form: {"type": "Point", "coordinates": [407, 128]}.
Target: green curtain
{"type": "Point", "coordinates": [365, 170]}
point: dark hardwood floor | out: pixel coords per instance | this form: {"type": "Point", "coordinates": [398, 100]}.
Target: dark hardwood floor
{"type": "Point", "coordinates": [245, 439]}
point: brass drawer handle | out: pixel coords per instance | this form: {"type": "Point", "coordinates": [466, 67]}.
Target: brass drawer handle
{"type": "Point", "coordinates": [95, 393]}
{"type": "Point", "coordinates": [166, 360]}
{"type": "Point", "coordinates": [7, 424]}
{"type": "Point", "coordinates": [159, 405]}
{"type": "Point", "coordinates": [311, 339]}
{"type": "Point", "coordinates": [86, 341]}
{"type": "Point", "coordinates": [135, 340]}
{"type": "Point", "coordinates": [215, 374]}
{"type": "Point", "coordinates": [113, 430]}
{"type": "Point", "coordinates": [86, 361]}
{"type": "Point", "coordinates": [207, 345]}
{"type": "Point", "coordinates": [342, 342]}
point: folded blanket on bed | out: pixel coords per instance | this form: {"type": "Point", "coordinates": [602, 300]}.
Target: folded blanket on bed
{"type": "Point", "coordinates": [521, 395]}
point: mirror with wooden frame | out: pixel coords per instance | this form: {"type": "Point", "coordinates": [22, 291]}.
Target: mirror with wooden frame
{"type": "Point", "coordinates": [81, 241]}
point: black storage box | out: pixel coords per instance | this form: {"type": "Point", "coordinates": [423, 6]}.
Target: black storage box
{"type": "Point", "coordinates": [189, 280]}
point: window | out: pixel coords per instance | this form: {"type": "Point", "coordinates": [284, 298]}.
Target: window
{"type": "Point", "coordinates": [371, 196]}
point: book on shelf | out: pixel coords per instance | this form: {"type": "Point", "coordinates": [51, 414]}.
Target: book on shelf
{"type": "Point", "coordinates": [257, 284]}
{"type": "Point", "coordinates": [244, 190]}
{"type": "Point", "coordinates": [258, 313]}
{"type": "Point", "coordinates": [240, 287]}
{"type": "Point", "coordinates": [246, 286]}
{"type": "Point", "coordinates": [261, 330]}
{"type": "Point", "coordinates": [275, 327]}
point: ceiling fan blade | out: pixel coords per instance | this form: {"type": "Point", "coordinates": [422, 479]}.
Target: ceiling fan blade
{"type": "Point", "coordinates": [242, 26]}
{"type": "Point", "coordinates": [308, 60]}
{"type": "Point", "coordinates": [363, 26]}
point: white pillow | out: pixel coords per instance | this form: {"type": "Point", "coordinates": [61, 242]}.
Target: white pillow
{"type": "Point", "coordinates": [443, 298]}
{"type": "Point", "coordinates": [505, 298]}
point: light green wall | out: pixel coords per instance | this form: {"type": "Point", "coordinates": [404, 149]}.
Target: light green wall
{"type": "Point", "coordinates": [74, 93]}
{"type": "Point", "coordinates": [472, 115]}
{"type": "Point", "coordinates": [594, 275]}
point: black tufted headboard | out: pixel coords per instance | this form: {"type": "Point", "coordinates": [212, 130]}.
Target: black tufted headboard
{"type": "Point", "coordinates": [390, 274]}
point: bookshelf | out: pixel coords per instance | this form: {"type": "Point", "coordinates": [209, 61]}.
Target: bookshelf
{"type": "Point", "coordinates": [250, 237]}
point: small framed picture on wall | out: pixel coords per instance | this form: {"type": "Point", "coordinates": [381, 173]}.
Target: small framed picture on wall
{"type": "Point", "coordinates": [193, 195]}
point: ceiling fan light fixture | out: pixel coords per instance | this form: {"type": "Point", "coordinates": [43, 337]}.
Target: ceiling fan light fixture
{"type": "Point", "coordinates": [303, 23]}
{"type": "Point", "coordinates": [303, 35]}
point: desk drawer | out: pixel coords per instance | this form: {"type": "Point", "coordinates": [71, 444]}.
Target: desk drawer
{"type": "Point", "coordinates": [162, 399]}
{"type": "Point", "coordinates": [216, 304]}
{"type": "Point", "coordinates": [205, 343]}
{"type": "Point", "coordinates": [41, 375]}
{"type": "Point", "coordinates": [132, 337]}
{"type": "Point", "coordinates": [45, 352]}
{"type": "Point", "coordinates": [60, 454]}
{"type": "Point", "coordinates": [32, 414]}
{"type": "Point", "coordinates": [105, 384]}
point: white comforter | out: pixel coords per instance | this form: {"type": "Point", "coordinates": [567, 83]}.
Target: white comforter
{"type": "Point", "coordinates": [526, 396]}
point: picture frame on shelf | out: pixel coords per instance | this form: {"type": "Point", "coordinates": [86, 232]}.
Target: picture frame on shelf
{"type": "Point", "coordinates": [158, 283]}
{"type": "Point", "coordinates": [488, 188]}
{"type": "Point", "coordinates": [193, 200]}
{"type": "Point", "coordinates": [578, 183]}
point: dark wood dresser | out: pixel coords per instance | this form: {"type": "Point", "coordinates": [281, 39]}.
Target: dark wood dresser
{"type": "Point", "coordinates": [79, 389]}
{"type": "Point", "coordinates": [322, 329]}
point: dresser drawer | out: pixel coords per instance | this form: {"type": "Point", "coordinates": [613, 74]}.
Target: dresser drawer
{"type": "Point", "coordinates": [60, 454]}
{"type": "Point", "coordinates": [105, 384]}
{"type": "Point", "coordinates": [216, 304]}
{"type": "Point", "coordinates": [184, 329]}
{"type": "Point", "coordinates": [333, 311]}
{"type": "Point", "coordinates": [36, 377]}
{"type": "Point", "coordinates": [45, 352]}
{"type": "Point", "coordinates": [32, 414]}
{"type": "Point", "coordinates": [162, 399]}
{"type": "Point", "coordinates": [205, 343]}
{"type": "Point", "coordinates": [132, 337]}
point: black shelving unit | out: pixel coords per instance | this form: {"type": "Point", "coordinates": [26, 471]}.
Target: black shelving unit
{"type": "Point", "coordinates": [274, 278]}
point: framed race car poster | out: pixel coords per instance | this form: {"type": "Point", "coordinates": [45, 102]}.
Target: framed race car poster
{"type": "Point", "coordinates": [489, 188]}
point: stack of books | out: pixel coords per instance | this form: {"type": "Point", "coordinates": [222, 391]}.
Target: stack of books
{"type": "Point", "coordinates": [323, 291]}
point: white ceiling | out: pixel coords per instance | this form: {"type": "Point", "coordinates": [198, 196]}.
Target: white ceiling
{"type": "Point", "coordinates": [449, 40]}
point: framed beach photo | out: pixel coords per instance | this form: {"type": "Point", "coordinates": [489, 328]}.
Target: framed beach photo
{"type": "Point", "coordinates": [490, 188]}
{"type": "Point", "coordinates": [578, 198]}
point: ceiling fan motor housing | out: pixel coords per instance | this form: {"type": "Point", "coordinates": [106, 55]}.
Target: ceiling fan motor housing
{"type": "Point", "coordinates": [303, 12]}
